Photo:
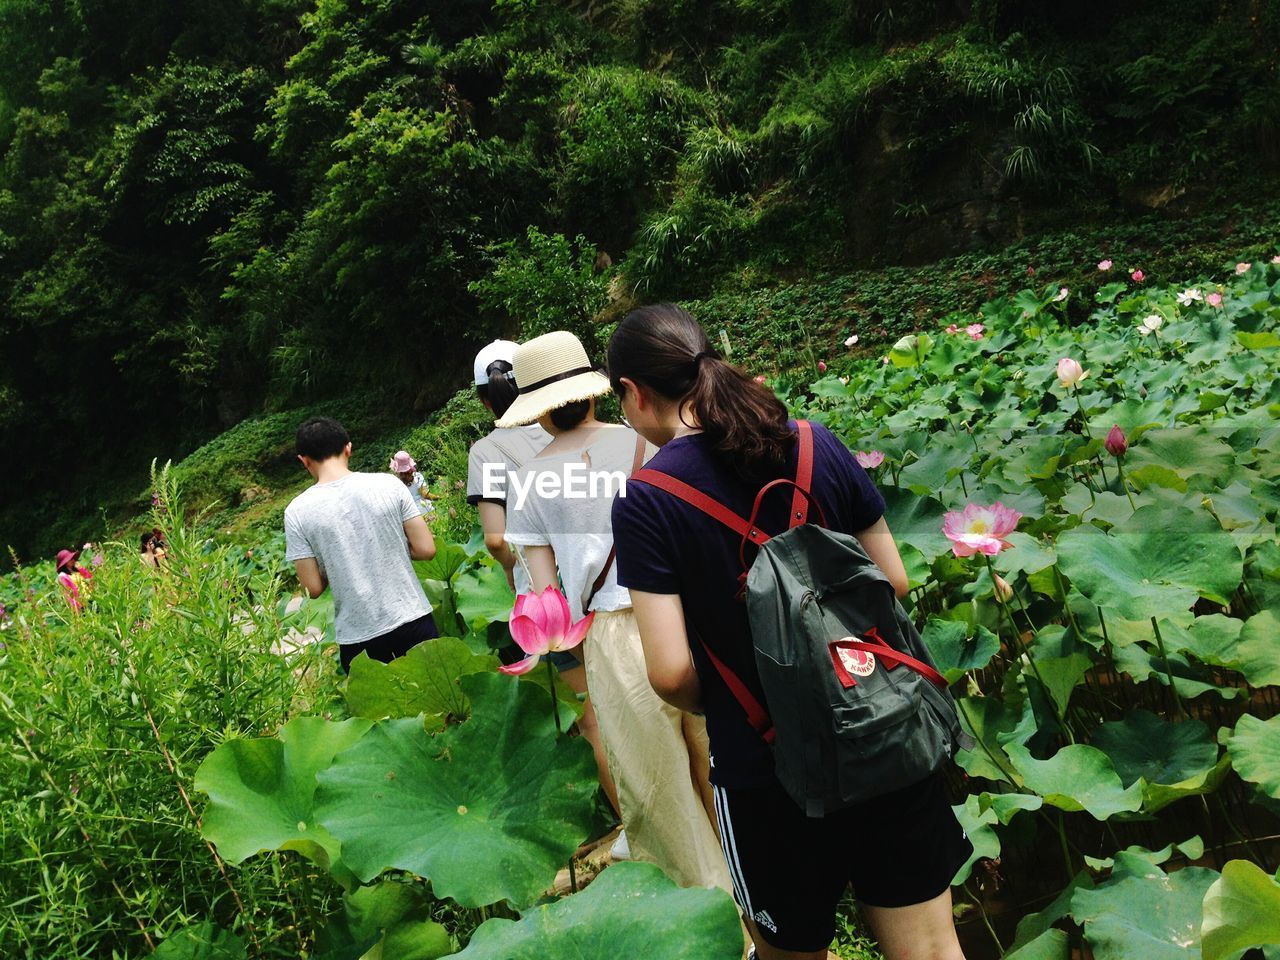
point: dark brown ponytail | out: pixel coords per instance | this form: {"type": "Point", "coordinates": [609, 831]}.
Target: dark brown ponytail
{"type": "Point", "coordinates": [501, 390]}
{"type": "Point", "coordinates": [665, 349]}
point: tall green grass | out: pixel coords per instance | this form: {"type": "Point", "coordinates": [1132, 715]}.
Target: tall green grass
{"type": "Point", "coordinates": [104, 716]}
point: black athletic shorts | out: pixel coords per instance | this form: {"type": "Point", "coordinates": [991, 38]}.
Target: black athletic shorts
{"type": "Point", "coordinates": [789, 871]}
{"type": "Point", "coordinates": [390, 645]}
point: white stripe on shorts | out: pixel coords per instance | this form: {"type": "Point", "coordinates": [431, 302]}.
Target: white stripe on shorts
{"type": "Point", "coordinates": [730, 847]}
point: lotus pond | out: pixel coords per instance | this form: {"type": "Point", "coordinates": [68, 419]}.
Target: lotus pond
{"type": "Point", "coordinates": [179, 783]}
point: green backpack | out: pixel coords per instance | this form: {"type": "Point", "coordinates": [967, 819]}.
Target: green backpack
{"type": "Point", "coordinates": [854, 706]}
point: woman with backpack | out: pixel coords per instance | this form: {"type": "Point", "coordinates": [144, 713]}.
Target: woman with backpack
{"type": "Point", "coordinates": [724, 437]}
{"type": "Point", "coordinates": [559, 513]}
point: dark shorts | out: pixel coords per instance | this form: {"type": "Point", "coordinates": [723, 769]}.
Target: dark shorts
{"type": "Point", "coordinates": [789, 871]}
{"type": "Point", "coordinates": [390, 645]}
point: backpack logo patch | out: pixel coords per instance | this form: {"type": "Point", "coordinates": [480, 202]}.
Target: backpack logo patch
{"type": "Point", "coordinates": [849, 662]}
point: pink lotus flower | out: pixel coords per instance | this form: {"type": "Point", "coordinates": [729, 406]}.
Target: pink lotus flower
{"type": "Point", "coordinates": [953, 329]}
{"type": "Point", "coordinates": [1276, 258]}
{"type": "Point", "coordinates": [1104, 265]}
{"type": "Point", "coordinates": [1138, 276]}
{"type": "Point", "coordinates": [822, 366]}
{"type": "Point", "coordinates": [1116, 442]}
{"type": "Point", "coordinates": [759, 379]}
{"type": "Point", "coordinates": [541, 624]}
{"type": "Point", "coordinates": [977, 529]}
{"type": "Point", "coordinates": [974, 330]}
{"type": "Point", "coordinates": [869, 459]}
{"type": "Point", "coordinates": [1070, 372]}
{"type": "Point", "coordinates": [1214, 300]}
{"type": "Point", "coordinates": [1062, 295]}
{"type": "Point", "coordinates": [1031, 271]}
{"type": "Point", "coordinates": [1242, 268]}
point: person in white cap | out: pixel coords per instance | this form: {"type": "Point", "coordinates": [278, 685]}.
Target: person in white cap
{"type": "Point", "coordinates": [404, 467]}
{"type": "Point", "coordinates": [657, 755]}
{"type": "Point", "coordinates": [492, 461]}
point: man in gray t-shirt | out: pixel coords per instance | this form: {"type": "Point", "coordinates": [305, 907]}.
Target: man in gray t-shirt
{"type": "Point", "coordinates": [358, 534]}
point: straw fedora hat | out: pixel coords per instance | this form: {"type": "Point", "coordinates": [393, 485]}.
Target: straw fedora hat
{"type": "Point", "coordinates": [551, 370]}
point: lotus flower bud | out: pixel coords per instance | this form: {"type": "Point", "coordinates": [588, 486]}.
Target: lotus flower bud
{"type": "Point", "coordinates": [1116, 443]}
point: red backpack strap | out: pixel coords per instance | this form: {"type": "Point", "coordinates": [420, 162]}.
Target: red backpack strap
{"type": "Point", "coordinates": [756, 715]}
{"type": "Point", "coordinates": [804, 475]}
{"type": "Point", "coordinates": [696, 498]}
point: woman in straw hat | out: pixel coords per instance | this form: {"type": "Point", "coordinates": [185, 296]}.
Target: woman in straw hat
{"type": "Point", "coordinates": [559, 511]}
{"type": "Point", "coordinates": [503, 451]}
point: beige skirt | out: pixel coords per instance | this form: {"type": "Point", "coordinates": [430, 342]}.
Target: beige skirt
{"type": "Point", "coordinates": [657, 755]}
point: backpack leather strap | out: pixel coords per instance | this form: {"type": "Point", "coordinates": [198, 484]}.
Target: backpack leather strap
{"type": "Point", "coordinates": [636, 461]}
{"type": "Point", "coordinates": [888, 653]}
{"type": "Point", "coordinates": [756, 715]}
{"type": "Point", "coordinates": [747, 530]}
{"type": "Point", "coordinates": [802, 497]}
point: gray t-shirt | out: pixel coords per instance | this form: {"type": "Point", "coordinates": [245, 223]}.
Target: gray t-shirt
{"type": "Point", "coordinates": [506, 450]}
{"type": "Point", "coordinates": [354, 527]}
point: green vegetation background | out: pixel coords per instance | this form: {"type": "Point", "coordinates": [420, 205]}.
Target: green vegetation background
{"type": "Point", "coordinates": [220, 213]}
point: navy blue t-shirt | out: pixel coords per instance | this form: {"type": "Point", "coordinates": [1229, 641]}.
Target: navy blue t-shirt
{"type": "Point", "coordinates": [667, 546]}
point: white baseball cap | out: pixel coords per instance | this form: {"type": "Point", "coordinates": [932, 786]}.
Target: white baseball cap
{"type": "Point", "coordinates": [498, 350]}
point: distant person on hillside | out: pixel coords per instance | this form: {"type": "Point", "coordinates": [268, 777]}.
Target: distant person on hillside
{"type": "Point", "coordinates": [495, 457]}
{"type": "Point", "coordinates": [151, 549]}
{"type": "Point", "coordinates": [74, 579]}
{"type": "Point", "coordinates": [404, 467]}
{"type": "Point", "coordinates": [358, 533]}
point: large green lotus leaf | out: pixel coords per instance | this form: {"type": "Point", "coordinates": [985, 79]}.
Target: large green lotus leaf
{"type": "Point", "coordinates": [630, 910]}
{"type": "Point", "coordinates": [261, 791]}
{"type": "Point", "coordinates": [1143, 745]}
{"type": "Point", "coordinates": [1191, 849]}
{"type": "Point", "coordinates": [1157, 796]}
{"type": "Point", "coordinates": [1052, 944]}
{"type": "Point", "coordinates": [1255, 752]}
{"type": "Point", "coordinates": [1077, 777]}
{"type": "Point", "coordinates": [424, 681]}
{"type": "Point", "coordinates": [1156, 564]}
{"type": "Point", "coordinates": [1258, 654]}
{"type": "Point", "coordinates": [483, 595]}
{"type": "Point", "coordinates": [939, 465]}
{"type": "Point", "coordinates": [203, 941]}
{"type": "Point", "coordinates": [1110, 508]}
{"type": "Point", "coordinates": [448, 560]}
{"type": "Point", "coordinates": [1210, 639]}
{"type": "Point", "coordinates": [1187, 451]}
{"type": "Point", "coordinates": [1059, 676]}
{"type": "Point", "coordinates": [388, 921]}
{"type": "Point", "coordinates": [1241, 910]}
{"type": "Point", "coordinates": [1026, 555]}
{"type": "Point", "coordinates": [1190, 680]}
{"type": "Point", "coordinates": [954, 652]}
{"type": "Point", "coordinates": [1152, 916]}
{"type": "Point", "coordinates": [916, 520]}
{"type": "Point", "coordinates": [984, 719]}
{"type": "Point", "coordinates": [977, 824]}
{"type": "Point", "coordinates": [487, 810]}
{"type": "Point", "coordinates": [1034, 926]}
{"type": "Point", "coordinates": [1009, 805]}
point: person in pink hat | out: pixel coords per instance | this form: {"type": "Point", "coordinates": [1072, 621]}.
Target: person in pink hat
{"type": "Point", "coordinates": [404, 467]}
{"type": "Point", "coordinates": [73, 578]}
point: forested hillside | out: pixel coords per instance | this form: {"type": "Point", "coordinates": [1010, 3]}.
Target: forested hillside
{"type": "Point", "coordinates": [212, 209]}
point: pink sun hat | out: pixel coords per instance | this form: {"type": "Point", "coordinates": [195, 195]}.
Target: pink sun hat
{"type": "Point", "coordinates": [402, 462]}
